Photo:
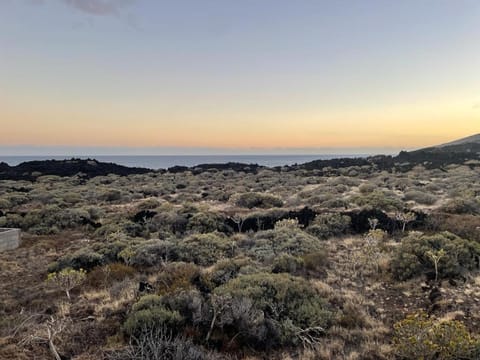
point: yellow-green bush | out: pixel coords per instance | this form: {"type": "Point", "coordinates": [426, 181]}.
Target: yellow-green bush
{"type": "Point", "coordinates": [421, 337]}
{"type": "Point", "coordinates": [411, 257]}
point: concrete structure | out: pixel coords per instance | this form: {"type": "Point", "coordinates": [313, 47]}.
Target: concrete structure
{"type": "Point", "coordinates": [9, 239]}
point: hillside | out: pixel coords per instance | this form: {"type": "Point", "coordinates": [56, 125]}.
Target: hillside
{"type": "Point", "coordinates": [235, 265]}
{"type": "Point", "coordinates": [473, 139]}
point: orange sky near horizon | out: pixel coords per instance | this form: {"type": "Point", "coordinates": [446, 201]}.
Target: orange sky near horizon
{"type": "Point", "coordinates": [395, 126]}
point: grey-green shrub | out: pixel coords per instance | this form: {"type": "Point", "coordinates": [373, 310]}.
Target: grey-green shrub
{"type": "Point", "coordinates": [329, 225]}
{"type": "Point", "coordinates": [286, 263]}
{"type": "Point", "coordinates": [420, 197]}
{"type": "Point", "coordinates": [205, 249]}
{"type": "Point", "coordinates": [279, 307]}
{"type": "Point", "coordinates": [151, 253]}
{"type": "Point", "coordinates": [258, 200]}
{"type": "Point", "coordinates": [150, 313]}
{"type": "Point", "coordinates": [226, 270]}
{"type": "Point", "coordinates": [266, 245]}
{"type": "Point", "coordinates": [411, 259]}
{"type": "Point", "coordinates": [85, 259]}
{"type": "Point", "coordinates": [381, 200]}
{"type": "Point", "coordinates": [205, 222]}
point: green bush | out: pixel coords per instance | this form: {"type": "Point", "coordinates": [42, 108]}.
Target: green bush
{"type": "Point", "coordinates": [421, 337]}
{"type": "Point", "coordinates": [271, 309]}
{"type": "Point", "coordinates": [284, 240]}
{"type": "Point", "coordinates": [151, 253]}
{"type": "Point", "coordinates": [334, 203]}
{"type": "Point", "coordinates": [177, 276]}
{"type": "Point", "coordinates": [49, 219]}
{"type": "Point", "coordinates": [286, 263]}
{"type": "Point", "coordinates": [328, 225]}
{"type": "Point", "coordinates": [469, 206]}
{"type": "Point", "coordinates": [5, 204]}
{"type": "Point", "coordinates": [258, 200]}
{"type": "Point", "coordinates": [148, 204]}
{"type": "Point", "coordinates": [411, 257]}
{"type": "Point", "coordinates": [112, 195]}
{"type": "Point", "coordinates": [465, 226]}
{"type": "Point", "coordinates": [420, 197]}
{"type": "Point", "coordinates": [169, 222]}
{"type": "Point", "coordinates": [367, 188]}
{"type": "Point", "coordinates": [344, 180]}
{"type": "Point", "coordinates": [133, 229]}
{"type": "Point", "coordinates": [82, 259]}
{"type": "Point", "coordinates": [204, 222]}
{"type": "Point", "coordinates": [316, 261]}
{"type": "Point", "coordinates": [205, 249]}
{"type": "Point", "coordinates": [385, 201]}
{"type": "Point", "coordinates": [110, 250]}
{"type": "Point", "coordinates": [105, 275]}
{"type": "Point", "coordinates": [150, 313]}
{"type": "Point", "coordinates": [226, 270]}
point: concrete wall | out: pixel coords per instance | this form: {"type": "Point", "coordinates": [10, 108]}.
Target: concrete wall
{"type": "Point", "coordinates": [9, 239]}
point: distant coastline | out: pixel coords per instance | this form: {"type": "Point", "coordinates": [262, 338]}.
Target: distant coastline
{"type": "Point", "coordinates": [166, 161]}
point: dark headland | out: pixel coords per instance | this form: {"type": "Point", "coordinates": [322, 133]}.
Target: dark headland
{"type": "Point", "coordinates": [462, 151]}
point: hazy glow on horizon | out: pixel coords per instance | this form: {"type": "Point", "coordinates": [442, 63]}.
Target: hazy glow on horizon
{"type": "Point", "coordinates": [239, 74]}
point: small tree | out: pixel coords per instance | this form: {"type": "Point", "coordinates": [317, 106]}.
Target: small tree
{"type": "Point", "coordinates": [405, 218]}
{"type": "Point", "coordinates": [67, 279]}
{"type": "Point", "coordinates": [371, 249]}
{"type": "Point", "coordinates": [47, 333]}
{"type": "Point", "coordinates": [436, 256]}
{"type": "Point", "coordinates": [373, 223]}
{"type": "Point", "coordinates": [238, 220]}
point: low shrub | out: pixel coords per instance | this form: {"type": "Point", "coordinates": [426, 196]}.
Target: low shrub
{"type": "Point", "coordinates": [226, 270]}
{"type": "Point", "coordinates": [205, 249]}
{"type": "Point", "coordinates": [465, 226]}
{"type": "Point", "coordinates": [257, 200]}
{"type": "Point", "coordinates": [412, 258]}
{"type": "Point", "coordinates": [286, 263]}
{"type": "Point", "coordinates": [381, 200]}
{"type": "Point", "coordinates": [421, 337]}
{"type": "Point", "coordinates": [148, 204]}
{"type": "Point", "coordinates": [267, 310]}
{"type": "Point", "coordinates": [150, 313]}
{"type": "Point", "coordinates": [105, 275]}
{"type": "Point", "coordinates": [111, 250]}
{"type": "Point", "coordinates": [168, 222]}
{"type": "Point", "coordinates": [150, 253]}
{"type": "Point", "coordinates": [112, 195]}
{"type": "Point", "coordinates": [420, 197]}
{"type": "Point", "coordinates": [176, 276]}
{"type": "Point", "coordinates": [288, 240]}
{"type": "Point", "coordinates": [155, 344]}
{"type": "Point", "coordinates": [329, 225]}
{"type": "Point", "coordinates": [344, 180]}
{"type": "Point", "coordinates": [367, 188]}
{"type": "Point", "coordinates": [82, 259]}
{"type": "Point", "coordinates": [470, 206]}
{"type": "Point", "coordinates": [203, 222]}
{"type": "Point", "coordinates": [316, 261]}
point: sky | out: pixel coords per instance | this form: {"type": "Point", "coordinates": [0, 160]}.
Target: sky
{"type": "Point", "coordinates": [261, 76]}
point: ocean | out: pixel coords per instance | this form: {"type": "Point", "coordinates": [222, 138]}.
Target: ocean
{"type": "Point", "coordinates": [166, 161]}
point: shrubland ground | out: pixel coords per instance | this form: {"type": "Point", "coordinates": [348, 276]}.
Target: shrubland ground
{"type": "Point", "coordinates": [351, 263]}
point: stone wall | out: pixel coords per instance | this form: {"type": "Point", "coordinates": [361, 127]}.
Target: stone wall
{"type": "Point", "coordinates": [9, 239]}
